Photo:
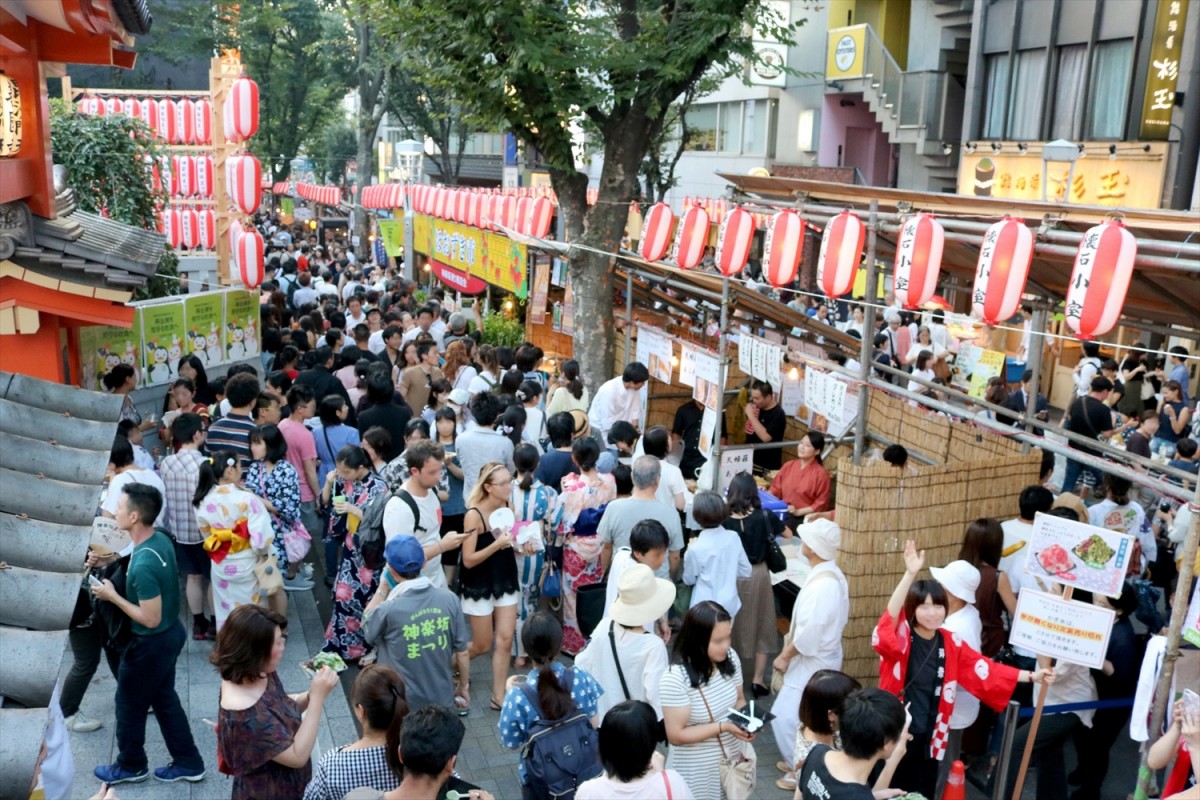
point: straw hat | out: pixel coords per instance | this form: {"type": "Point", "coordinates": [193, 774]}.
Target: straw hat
{"type": "Point", "coordinates": [641, 597]}
{"type": "Point", "coordinates": [581, 425]}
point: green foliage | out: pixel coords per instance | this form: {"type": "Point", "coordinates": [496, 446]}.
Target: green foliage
{"type": "Point", "coordinates": [500, 330]}
{"type": "Point", "coordinates": [333, 150]}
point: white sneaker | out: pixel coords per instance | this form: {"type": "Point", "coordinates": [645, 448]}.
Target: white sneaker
{"type": "Point", "coordinates": [306, 572]}
{"type": "Point", "coordinates": [80, 723]}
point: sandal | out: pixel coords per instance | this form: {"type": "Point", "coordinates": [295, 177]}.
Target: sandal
{"type": "Point", "coordinates": [461, 706]}
{"type": "Point", "coordinates": [494, 705]}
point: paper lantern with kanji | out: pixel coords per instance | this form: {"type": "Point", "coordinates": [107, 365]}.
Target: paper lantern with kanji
{"type": "Point", "coordinates": [784, 247]}
{"type": "Point", "coordinates": [208, 229]}
{"type": "Point", "coordinates": [204, 176]}
{"type": "Point", "coordinates": [248, 255]}
{"type": "Point", "coordinates": [1100, 280]}
{"type": "Point", "coordinates": [203, 123]}
{"type": "Point", "coordinates": [734, 240]}
{"type": "Point", "coordinates": [167, 131]}
{"type": "Point", "coordinates": [189, 231]}
{"type": "Point", "coordinates": [148, 114]}
{"type": "Point", "coordinates": [656, 232]}
{"type": "Point", "coordinates": [841, 252]}
{"type": "Point", "coordinates": [691, 238]}
{"type": "Point", "coordinates": [918, 260]}
{"type": "Point", "coordinates": [184, 168]}
{"type": "Point", "coordinates": [90, 104]}
{"type": "Point", "coordinates": [541, 211]}
{"type": "Point", "coordinates": [172, 226]}
{"type": "Point", "coordinates": [170, 183]}
{"type": "Point", "coordinates": [508, 212]}
{"type": "Point", "coordinates": [1003, 267]}
{"type": "Point", "coordinates": [242, 106]}
{"type": "Point", "coordinates": [461, 201]}
{"type": "Point", "coordinates": [245, 182]}
{"type": "Point", "coordinates": [129, 107]}
{"type": "Point", "coordinates": [185, 121]}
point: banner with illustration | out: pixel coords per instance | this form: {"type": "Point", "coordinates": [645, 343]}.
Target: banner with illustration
{"type": "Point", "coordinates": [103, 347]}
{"type": "Point", "coordinates": [492, 257]}
{"type": "Point", "coordinates": [241, 325]}
{"type": "Point", "coordinates": [162, 342]}
{"type": "Point", "coordinates": [391, 231]}
{"type": "Point", "coordinates": [204, 322]}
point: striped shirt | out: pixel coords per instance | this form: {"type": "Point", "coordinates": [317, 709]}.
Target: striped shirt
{"type": "Point", "coordinates": [700, 763]}
{"type": "Point", "coordinates": [231, 432]}
{"type": "Point", "coordinates": [180, 475]}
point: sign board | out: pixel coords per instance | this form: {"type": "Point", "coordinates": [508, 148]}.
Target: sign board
{"type": "Point", "coordinates": [824, 394]}
{"type": "Point", "coordinates": [708, 432]}
{"type": "Point", "coordinates": [107, 538]}
{"type": "Point", "coordinates": [988, 364]}
{"type": "Point", "coordinates": [846, 56]}
{"type": "Point", "coordinates": [456, 279]}
{"type": "Point", "coordinates": [541, 289]}
{"type": "Point", "coordinates": [1067, 629]}
{"type": "Point", "coordinates": [791, 392]}
{"type": "Point", "coordinates": [707, 389]}
{"type": "Point", "coordinates": [655, 350]}
{"type": "Point", "coordinates": [1166, 47]}
{"type": "Point", "coordinates": [1077, 554]}
{"type": "Point", "coordinates": [491, 257]}
{"type": "Point", "coordinates": [391, 232]}
{"type": "Point", "coordinates": [687, 364]}
{"type": "Point", "coordinates": [770, 56]}
{"type": "Point", "coordinates": [734, 462]}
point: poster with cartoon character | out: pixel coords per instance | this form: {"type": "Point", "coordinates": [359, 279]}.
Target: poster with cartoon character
{"type": "Point", "coordinates": [103, 347]}
{"type": "Point", "coordinates": [204, 321]}
{"type": "Point", "coordinates": [241, 315]}
{"type": "Point", "coordinates": [163, 337]}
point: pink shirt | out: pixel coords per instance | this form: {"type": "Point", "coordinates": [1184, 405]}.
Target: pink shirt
{"type": "Point", "coordinates": [301, 447]}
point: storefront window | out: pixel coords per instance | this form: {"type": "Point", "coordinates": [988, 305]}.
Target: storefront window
{"type": "Point", "coordinates": [1111, 73]}
{"type": "Point", "coordinates": [702, 127]}
{"type": "Point", "coordinates": [758, 117]}
{"type": "Point", "coordinates": [729, 129]}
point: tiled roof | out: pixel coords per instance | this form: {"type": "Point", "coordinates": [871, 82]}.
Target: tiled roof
{"type": "Point", "coordinates": [54, 449]}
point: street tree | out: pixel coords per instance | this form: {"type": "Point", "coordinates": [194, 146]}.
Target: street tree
{"type": "Point", "coordinates": [536, 68]}
{"type": "Point", "coordinates": [435, 115]}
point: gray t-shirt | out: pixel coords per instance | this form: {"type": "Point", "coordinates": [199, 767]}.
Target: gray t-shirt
{"type": "Point", "coordinates": [616, 525]}
{"type": "Point", "coordinates": [476, 447]}
{"type": "Point", "coordinates": [417, 631]}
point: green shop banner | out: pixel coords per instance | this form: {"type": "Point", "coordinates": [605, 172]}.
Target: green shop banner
{"type": "Point", "coordinates": [162, 342]}
{"type": "Point", "coordinates": [204, 320]}
{"type": "Point", "coordinates": [391, 233]}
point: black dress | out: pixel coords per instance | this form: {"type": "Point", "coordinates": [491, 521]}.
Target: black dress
{"type": "Point", "coordinates": [495, 577]}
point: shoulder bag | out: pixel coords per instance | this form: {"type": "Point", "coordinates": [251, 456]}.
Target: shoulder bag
{"type": "Point", "coordinates": [738, 775]}
{"type": "Point", "coordinates": [612, 640]}
{"type": "Point", "coordinates": [776, 560]}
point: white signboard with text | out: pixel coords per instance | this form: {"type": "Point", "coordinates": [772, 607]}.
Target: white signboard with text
{"type": "Point", "coordinates": [1051, 626]}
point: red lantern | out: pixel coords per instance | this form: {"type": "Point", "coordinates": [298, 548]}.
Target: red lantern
{"type": "Point", "coordinates": [249, 258]}
{"type": "Point", "coordinates": [227, 122]}
{"type": "Point", "coordinates": [1004, 259]}
{"type": "Point", "coordinates": [541, 211]}
{"type": "Point", "coordinates": [208, 229]}
{"type": "Point", "coordinates": [129, 107]}
{"type": "Point", "coordinates": [185, 121]}
{"type": "Point", "coordinates": [656, 232]}
{"type": "Point", "coordinates": [437, 202]}
{"type": "Point", "coordinates": [203, 122]}
{"type": "Point", "coordinates": [245, 183]}
{"type": "Point", "coordinates": [734, 240]}
{"type": "Point", "coordinates": [92, 105]}
{"type": "Point", "coordinates": [170, 183]}
{"type": "Point", "coordinates": [148, 114]}
{"type": "Point", "coordinates": [522, 215]}
{"type": "Point", "coordinates": [189, 228]}
{"type": "Point", "coordinates": [243, 108]}
{"type": "Point", "coordinates": [172, 227]}
{"type": "Point", "coordinates": [204, 176]}
{"type": "Point", "coordinates": [841, 252]}
{"type": "Point", "coordinates": [918, 260]}
{"type": "Point", "coordinates": [399, 196]}
{"type": "Point", "coordinates": [1100, 280]}
{"type": "Point", "coordinates": [184, 167]}
{"type": "Point", "coordinates": [167, 131]}
{"type": "Point", "coordinates": [691, 238]}
{"type": "Point", "coordinates": [474, 209]}
{"type": "Point", "coordinates": [460, 206]}
{"type": "Point", "coordinates": [508, 212]}
{"type": "Point", "coordinates": [784, 247]}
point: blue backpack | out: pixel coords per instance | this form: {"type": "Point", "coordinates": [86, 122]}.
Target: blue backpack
{"type": "Point", "coordinates": [559, 754]}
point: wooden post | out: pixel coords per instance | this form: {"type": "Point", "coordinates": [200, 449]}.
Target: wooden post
{"type": "Point", "coordinates": [866, 362]}
{"type": "Point", "coordinates": [1033, 724]}
{"type": "Point", "coordinates": [223, 71]}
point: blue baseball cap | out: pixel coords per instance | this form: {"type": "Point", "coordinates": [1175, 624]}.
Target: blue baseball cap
{"type": "Point", "coordinates": [404, 554]}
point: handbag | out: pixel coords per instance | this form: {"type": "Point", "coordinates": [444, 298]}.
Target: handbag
{"type": "Point", "coordinates": [776, 675]}
{"type": "Point", "coordinates": [267, 575]}
{"type": "Point", "coordinates": [551, 583]}
{"type": "Point", "coordinates": [738, 776]}
{"type": "Point", "coordinates": [296, 542]}
{"type": "Point", "coordinates": [776, 560]}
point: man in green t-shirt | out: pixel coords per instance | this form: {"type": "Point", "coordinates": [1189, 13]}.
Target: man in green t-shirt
{"type": "Point", "coordinates": [146, 676]}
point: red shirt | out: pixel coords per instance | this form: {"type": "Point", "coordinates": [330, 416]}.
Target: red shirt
{"type": "Point", "coordinates": [801, 487]}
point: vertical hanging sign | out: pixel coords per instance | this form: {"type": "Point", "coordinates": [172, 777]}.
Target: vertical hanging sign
{"type": "Point", "coordinates": [1166, 46]}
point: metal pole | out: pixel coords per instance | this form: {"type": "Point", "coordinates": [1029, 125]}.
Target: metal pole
{"type": "Point", "coordinates": [722, 373]}
{"type": "Point", "coordinates": [865, 352]}
{"type": "Point", "coordinates": [1000, 776]}
{"type": "Point", "coordinates": [629, 319]}
{"type": "Point", "coordinates": [1034, 362]}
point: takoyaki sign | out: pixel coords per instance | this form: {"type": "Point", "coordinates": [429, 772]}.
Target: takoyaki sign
{"type": "Point", "coordinates": [216, 327]}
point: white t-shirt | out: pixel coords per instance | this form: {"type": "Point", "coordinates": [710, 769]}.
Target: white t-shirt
{"type": "Point", "coordinates": [398, 520]}
{"type": "Point", "coordinates": [1073, 684]}
{"type": "Point", "coordinates": [670, 484]}
{"type": "Point", "coordinates": [612, 403]}
{"type": "Point", "coordinates": [1013, 565]}
{"type": "Point", "coordinates": [966, 623]}
{"type": "Point", "coordinates": [1128, 519]}
{"type": "Point", "coordinates": [648, 787]}
{"type": "Point", "coordinates": [136, 475]}
{"type": "Point", "coordinates": [482, 382]}
{"type": "Point", "coordinates": [643, 662]}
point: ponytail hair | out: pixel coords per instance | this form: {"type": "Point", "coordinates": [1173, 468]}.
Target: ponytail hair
{"type": "Point", "coordinates": [380, 691]}
{"type": "Point", "coordinates": [570, 371]}
{"type": "Point", "coordinates": [525, 459]}
{"type": "Point", "coordinates": [542, 636]}
{"type": "Point", "coordinates": [211, 472]}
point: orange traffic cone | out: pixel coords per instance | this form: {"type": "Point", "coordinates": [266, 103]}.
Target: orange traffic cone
{"type": "Point", "coordinates": [956, 783]}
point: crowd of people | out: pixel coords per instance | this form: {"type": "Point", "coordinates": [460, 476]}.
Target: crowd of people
{"type": "Point", "coordinates": [462, 501]}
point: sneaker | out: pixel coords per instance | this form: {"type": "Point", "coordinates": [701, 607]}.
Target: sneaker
{"type": "Point", "coordinates": [171, 773]}
{"type": "Point", "coordinates": [81, 723]}
{"type": "Point", "coordinates": [296, 584]}
{"type": "Point", "coordinates": [200, 630]}
{"type": "Point", "coordinates": [113, 774]}
{"type": "Point", "coordinates": [306, 572]}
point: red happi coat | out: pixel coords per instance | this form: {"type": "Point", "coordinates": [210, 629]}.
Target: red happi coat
{"type": "Point", "coordinates": [990, 681]}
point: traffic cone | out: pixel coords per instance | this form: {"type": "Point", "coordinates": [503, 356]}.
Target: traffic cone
{"type": "Point", "coordinates": [956, 783]}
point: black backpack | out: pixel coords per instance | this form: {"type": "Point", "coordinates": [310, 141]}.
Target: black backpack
{"type": "Point", "coordinates": [560, 754]}
{"type": "Point", "coordinates": [371, 539]}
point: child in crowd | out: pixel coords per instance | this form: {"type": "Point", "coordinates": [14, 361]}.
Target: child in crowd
{"type": "Point", "coordinates": [715, 560]}
{"type": "Point", "coordinates": [648, 543]}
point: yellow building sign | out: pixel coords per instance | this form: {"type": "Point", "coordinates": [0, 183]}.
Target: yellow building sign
{"type": "Point", "coordinates": [1132, 180]}
{"type": "Point", "coordinates": [847, 53]}
{"type": "Point", "coordinates": [492, 257]}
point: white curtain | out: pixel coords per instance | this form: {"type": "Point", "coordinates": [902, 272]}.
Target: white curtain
{"type": "Point", "coordinates": [997, 91]}
{"type": "Point", "coordinates": [1069, 94]}
{"type": "Point", "coordinates": [1025, 110]}
{"type": "Point", "coordinates": [1111, 73]}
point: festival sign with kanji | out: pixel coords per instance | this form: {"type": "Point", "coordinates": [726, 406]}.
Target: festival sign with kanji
{"type": "Point", "coordinates": [1166, 47]}
{"type": "Point", "coordinates": [162, 342]}
{"type": "Point", "coordinates": [1077, 554]}
{"type": "Point", "coordinates": [489, 256]}
{"type": "Point", "coordinates": [1067, 629]}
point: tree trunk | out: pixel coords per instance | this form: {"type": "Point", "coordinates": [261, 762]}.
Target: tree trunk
{"type": "Point", "coordinates": [364, 156]}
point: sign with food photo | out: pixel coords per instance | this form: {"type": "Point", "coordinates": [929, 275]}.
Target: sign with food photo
{"type": "Point", "coordinates": [1076, 554]}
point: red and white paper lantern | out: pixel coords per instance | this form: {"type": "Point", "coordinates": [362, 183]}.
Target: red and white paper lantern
{"type": "Point", "coordinates": [541, 212]}
{"type": "Point", "coordinates": [148, 114]}
{"type": "Point", "coordinates": [172, 227]}
{"type": "Point", "coordinates": [241, 107]}
{"type": "Point", "coordinates": [841, 252]}
{"type": "Point", "coordinates": [208, 229]}
{"type": "Point", "coordinates": [235, 234]}
{"type": "Point", "coordinates": [249, 258]}
{"type": "Point", "coordinates": [784, 247]}
{"type": "Point", "coordinates": [129, 107]}
{"type": "Point", "coordinates": [92, 105]}
{"type": "Point", "coordinates": [185, 121]}
{"type": "Point", "coordinates": [918, 260]}
{"type": "Point", "coordinates": [204, 176]}
{"type": "Point", "coordinates": [656, 232]}
{"type": "Point", "coordinates": [734, 240]}
{"type": "Point", "coordinates": [691, 238]}
{"type": "Point", "coordinates": [202, 110]}
{"type": "Point", "coordinates": [461, 200]}
{"type": "Point", "coordinates": [475, 210]}
{"type": "Point", "coordinates": [1100, 280]}
{"type": "Point", "coordinates": [112, 106]}
{"type": "Point", "coordinates": [508, 212]}
{"type": "Point", "coordinates": [1000, 275]}
{"type": "Point", "coordinates": [167, 131]}
{"type": "Point", "coordinates": [189, 229]}
{"type": "Point", "coordinates": [245, 185]}
{"type": "Point", "coordinates": [170, 182]}
{"type": "Point", "coordinates": [184, 167]}
{"type": "Point", "coordinates": [522, 215]}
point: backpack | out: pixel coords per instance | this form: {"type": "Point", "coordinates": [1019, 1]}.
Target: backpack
{"type": "Point", "coordinates": [371, 539]}
{"type": "Point", "coordinates": [560, 754]}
